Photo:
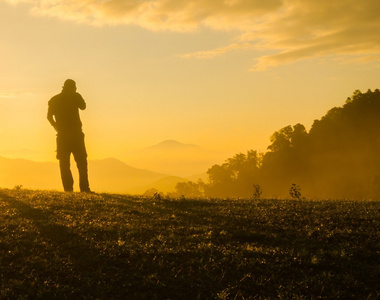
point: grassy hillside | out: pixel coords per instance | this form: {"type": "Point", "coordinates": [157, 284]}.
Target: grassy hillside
{"type": "Point", "coordinates": [68, 246]}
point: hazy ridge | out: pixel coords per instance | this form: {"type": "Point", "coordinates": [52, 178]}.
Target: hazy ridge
{"type": "Point", "coordinates": [176, 158]}
{"type": "Point", "coordinates": [106, 175]}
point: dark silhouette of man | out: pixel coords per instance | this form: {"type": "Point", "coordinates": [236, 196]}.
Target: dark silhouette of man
{"type": "Point", "coordinates": [63, 115]}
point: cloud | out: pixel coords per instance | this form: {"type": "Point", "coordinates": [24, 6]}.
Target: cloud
{"type": "Point", "coordinates": [174, 15]}
{"type": "Point", "coordinates": [13, 94]}
{"type": "Point", "coordinates": [312, 29]}
{"type": "Point", "coordinates": [218, 51]}
{"type": "Point", "coordinates": [7, 94]}
{"type": "Point", "coordinates": [291, 30]}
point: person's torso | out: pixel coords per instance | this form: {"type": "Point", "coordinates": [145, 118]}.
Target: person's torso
{"type": "Point", "coordinates": [65, 107]}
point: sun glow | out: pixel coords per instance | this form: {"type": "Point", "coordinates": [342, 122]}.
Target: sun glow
{"type": "Point", "coordinates": [152, 71]}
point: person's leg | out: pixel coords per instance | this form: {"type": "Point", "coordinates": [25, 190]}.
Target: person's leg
{"type": "Point", "coordinates": [80, 156]}
{"type": "Point", "coordinates": [83, 174]}
{"type": "Point", "coordinates": [66, 176]}
{"type": "Point", "coordinates": [63, 154]}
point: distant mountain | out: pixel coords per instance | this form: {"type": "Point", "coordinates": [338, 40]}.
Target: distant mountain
{"type": "Point", "coordinates": [170, 145]}
{"type": "Point", "coordinates": [176, 158]}
{"type": "Point", "coordinates": [113, 175]}
{"type": "Point", "coordinates": [106, 175]}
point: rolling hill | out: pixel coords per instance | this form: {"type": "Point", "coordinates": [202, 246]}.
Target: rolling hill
{"type": "Point", "coordinates": [106, 175]}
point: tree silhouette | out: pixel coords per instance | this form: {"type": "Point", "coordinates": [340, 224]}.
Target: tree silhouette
{"type": "Point", "coordinates": [189, 189]}
{"type": "Point", "coordinates": [235, 177]}
{"type": "Point", "coordinates": [338, 157]}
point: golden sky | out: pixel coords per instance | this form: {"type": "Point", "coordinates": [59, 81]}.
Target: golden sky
{"type": "Point", "coordinates": [222, 74]}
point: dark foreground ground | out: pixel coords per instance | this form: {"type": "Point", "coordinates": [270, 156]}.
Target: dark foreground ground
{"type": "Point", "coordinates": [78, 246]}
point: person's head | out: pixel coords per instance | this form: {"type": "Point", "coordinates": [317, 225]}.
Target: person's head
{"type": "Point", "coordinates": [70, 86]}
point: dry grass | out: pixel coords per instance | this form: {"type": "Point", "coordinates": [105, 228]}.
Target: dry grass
{"type": "Point", "coordinates": [71, 246]}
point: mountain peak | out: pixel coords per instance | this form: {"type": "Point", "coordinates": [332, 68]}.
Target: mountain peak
{"type": "Point", "coordinates": [172, 144]}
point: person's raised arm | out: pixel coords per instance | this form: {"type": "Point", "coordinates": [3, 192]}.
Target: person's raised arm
{"type": "Point", "coordinates": [81, 103]}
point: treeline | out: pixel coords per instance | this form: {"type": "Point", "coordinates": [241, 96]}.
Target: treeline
{"type": "Point", "coordinates": [338, 158]}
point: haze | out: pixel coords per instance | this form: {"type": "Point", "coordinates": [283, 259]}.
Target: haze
{"type": "Point", "coordinates": [223, 75]}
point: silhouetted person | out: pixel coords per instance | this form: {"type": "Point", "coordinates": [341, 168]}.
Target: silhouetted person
{"type": "Point", "coordinates": [63, 115]}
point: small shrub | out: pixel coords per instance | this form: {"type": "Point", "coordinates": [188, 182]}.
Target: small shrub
{"type": "Point", "coordinates": [157, 196]}
{"type": "Point", "coordinates": [257, 191]}
{"type": "Point", "coordinates": [295, 191]}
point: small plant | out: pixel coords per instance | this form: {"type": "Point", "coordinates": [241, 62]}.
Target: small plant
{"type": "Point", "coordinates": [295, 191]}
{"type": "Point", "coordinates": [257, 191]}
{"type": "Point", "coordinates": [157, 196]}
{"type": "Point", "coordinates": [18, 187]}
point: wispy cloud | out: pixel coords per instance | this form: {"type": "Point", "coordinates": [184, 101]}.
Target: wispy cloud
{"type": "Point", "coordinates": [291, 30]}
{"type": "Point", "coordinates": [218, 51]}
{"type": "Point", "coordinates": [7, 95]}
{"type": "Point", "coordinates": [175, 15]}
{"type": "Point", "coordinates": [12, 94]}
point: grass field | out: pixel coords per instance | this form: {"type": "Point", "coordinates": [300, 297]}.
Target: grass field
{"type": "Point", "coordinates": [78, 246]}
